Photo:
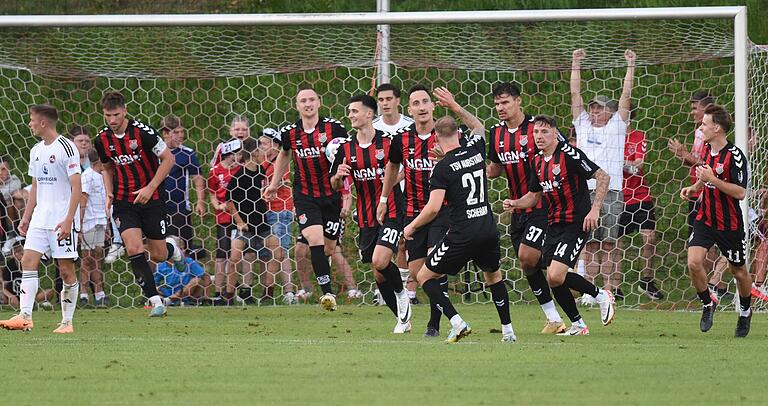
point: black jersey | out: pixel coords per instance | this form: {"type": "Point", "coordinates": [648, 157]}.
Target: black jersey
{"type": "Point", "coordinates": [461, 173]}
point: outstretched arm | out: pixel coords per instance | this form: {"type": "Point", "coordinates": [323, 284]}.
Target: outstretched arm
{"type": "Point", "coordinates": [625, 101]}
{"type": "Point", "coordinates": [577, 103]}
{"type": "Point", "coordinates": [445, 98]}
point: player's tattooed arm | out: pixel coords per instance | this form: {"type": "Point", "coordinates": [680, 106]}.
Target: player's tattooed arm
{"type": "Point", "coordinates": [603, 179]}
{"type": "Point", "coordinates": [445, 98]}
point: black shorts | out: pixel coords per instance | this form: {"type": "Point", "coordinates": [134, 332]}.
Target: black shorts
{"type": "Point", "coordinates": [732, 244]}
{"type": "Point", "coordinates": [564, 243]}
{"type": "Point", "coordinates": [181, 225]}
{"type": "Point", "coordinates": [224, 235]}
{"type": "Point", "coordinates": [427, 236]}
{"type": "Point", "coordinates": [151, 218]}
{"type": "Point", "coordinates": [636, 217]}
{"type": "Point", "coordinates": [693, 210]}
{"type": "Point", "coordinates": [453, 252]}
{"type": "Point", "coordinates": [387, 235]}
{"type": "Point", "coordinates": [319, 211]}
{"type": "Point", "coordinates": [529, 229]}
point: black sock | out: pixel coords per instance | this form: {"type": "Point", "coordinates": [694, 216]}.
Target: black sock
{"type": "Point", "coordinates": [321, 267]}
{"type": "Point", "coordinates": [143, 274]}
{"type": "Point", "coordinates": [434, 310]}
{"type": "Point", "coordinates": [392, 274]}
{"type": "Point", "coordinates": [565, 300]}
{"type": "Point", "coordinates": [745, 302]}
{"type": "Point", "coordinates": [579, 284]}
{"type": "Point", "coordinates": [169, 247]}
{"type": "Point", "coordinates": [501, 300]}
{"type": "Point", "coordinates": [538, 283]}
{"type": "Point", "coordinates": [389, 295]}
{"type": "Point", "coordinates": [705, 297]}
{"type": "Point", "coordinates": [436, 297]}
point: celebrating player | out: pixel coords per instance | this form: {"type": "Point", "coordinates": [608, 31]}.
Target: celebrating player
{"type": "Point", "coordinates": [364, 157]}
{"type": "Point", "coordinates": [460, 179]}
{"type": "Point", "coordinates": [719, 219]}
{"type": "Point", "coordinates": [54, 165]}
{"type": "Point", "coordinates": [511, 150]}
{"type": "Point", "coordinates": [136, 162]}
{"type": "Point", "coordinates": [560, 173]}
{"type": "Point", "coordinates": [317, 204]}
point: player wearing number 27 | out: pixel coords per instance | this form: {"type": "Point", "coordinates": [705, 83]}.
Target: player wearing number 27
{"type": "Point", "coordinates": [719, 220]}
{"type": "Point", "coordinates": [48, 222]}
{"type": "Point", "coordinates": [559, 175]}
{"type": "Point", "coordinates": [460, 179]}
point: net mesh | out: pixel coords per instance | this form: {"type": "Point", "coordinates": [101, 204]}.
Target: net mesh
{"type": "Point", "coordinates": [207, 75]}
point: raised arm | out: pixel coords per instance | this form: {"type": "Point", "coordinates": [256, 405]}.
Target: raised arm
{"type": "Point", "coordinates": [577, 103]}
{"type": "Point", "coordinates": [625, 101]}
{"type": "Point", "coordinates": [445, 98]}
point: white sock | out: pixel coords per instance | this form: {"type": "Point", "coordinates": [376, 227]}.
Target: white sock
{"type": "Point", "coordinates": [411, 294]}
{"type": "Point", "coordinates": [507, 329]}
{"type": "Point", "coordinates": [580, 269]}
{"type": "Point", "coordinates": [156, 300]}
{"type": "Point", "coordinates": [99, 295]}
{"type": "Point", "coordinates": [601, 295]}
{"type": "Point", "coordinates": [580, 323]}
{"type": "Point", "coordinates": [29, 284]}
{"type": "Point", "coordinates": [456, 321]}
{"type": "Point", "coordinates": [551, 311]}
{"type": "Point", "coordinates": [745, 313]}
{"type": "Point", "coordinates": [68, 299]}
{"type": "Point", "coordinates": [84, 296]}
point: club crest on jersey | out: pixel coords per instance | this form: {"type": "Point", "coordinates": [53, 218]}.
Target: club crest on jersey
{"type": "Point", "coordinates": [379, 154]}
{"type": "Point", "coordinates": [133, 144]}
{"type": "Point", "coordinates": [52, 159]}
{"type": "Point", "coordinates": [322, 137]}
{"type": "Point", "coordinates": [719, 169]}
{"type": "Point", "coordinates": [303, 219]}
{"type": "Point", "coordinates": [524, 139]}
{"type": "Point", "coordinates": [556, 169]}
{"type": "Point", "coordinates": [631, 149]}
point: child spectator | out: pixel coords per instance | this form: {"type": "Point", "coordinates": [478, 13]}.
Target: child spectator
{"type": "Point", "coordinates": [183, 282]}
{"type": "Point", "coordinates": [11, 279]}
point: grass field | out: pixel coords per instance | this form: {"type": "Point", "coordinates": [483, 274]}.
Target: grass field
{"type": "Point", "coordinates": [302, 355]}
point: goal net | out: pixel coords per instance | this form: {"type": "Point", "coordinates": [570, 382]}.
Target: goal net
{"type": "Point", "coordinates": [207, 75]}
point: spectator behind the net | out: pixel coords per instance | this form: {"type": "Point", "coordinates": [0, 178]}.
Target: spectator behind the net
{"type": "Point", "coordinates": [186, 169]}
{"type": "Point", "coordinates": [11, 192]}
{"type": "Point", "coordinates": [79, 135]}
{"type": "Point", "coordinates": [10, 279]}
{"type": "Point", "coordinates": [239, 129]}
{"type": "Point", "coordinates": [601, 134]}
{"type": "Point", "coordinates": [93, 217]}
{"type": "Point", "coordinates": [185, 281]}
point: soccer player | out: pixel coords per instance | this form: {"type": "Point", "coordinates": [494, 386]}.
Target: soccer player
{"type": "Point", "coordinates": [136, 162]}
{"type": "Point", "coordinates": [601, 130]}
{"type": "Point", "coordinates": [364, 157]}
{"type": "Point", "coordinates": [412, 148]}
{"type": "Point", "coordinates": [48, 223]}
{"type": "Point", "coordinates": [723, 178]}
{"type": "Point", "coordinates": [391, 120]}
{"type": "Point", "coordinates": [511, 150]}
{"type": "Point", "coordinates": [560, 173]}
{"type": "Point", "coordinates": [460, 179]}
{"type": "Point", "coordinates": [317, 205]}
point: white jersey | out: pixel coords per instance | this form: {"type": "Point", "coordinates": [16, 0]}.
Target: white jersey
{"type": "Point", "coordinates": [404, 122]}
{"type": "Point", "coordinates": [95, 210]}
{"type": "Point", "coordinates": [51, 166]}
{"type": "Point", "coordinates": [604, 146]}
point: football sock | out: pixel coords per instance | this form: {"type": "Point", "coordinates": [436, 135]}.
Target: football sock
{"type": "Point", "coordinates": [84, 296]}
{"type": "Point", "coordinates": [745, 302]}
{"type": "Point", "coordinates": [434, 309]}
{"type": "Point", "coordinates": [579, 284]}
{"type": "Point", "coordinates": [29, 284]}
{"type": "Point", "coordinates": [143, 274]}
{"type": "Point", "coordinates": [438, 300]}
{"type": "Point", "coordinates": [68, 298]}
{"type": "Point", "coordinates": [565, 299]}
{"type": "Point", "coordinates": [99, 295]}
{"type": "Point", "coordinates": [551, 311]}
{"type": "Point", "coordinates": [705, 297]}
{"type": "Point", "coordinates": [321, 267]}
{"type": "Point", "coordinates": [170, 248]}
{"type": "Point", "coordinates": [392, 274]}
{"type": "Point", "coordinates": [456, 321]}
{"type": "Point", "coordinates": [538, 283]}
{"type": "Point", "coordinates": [156, 300]}
{"type": "Point", "coordinates": [507, 329]}
{"type": "Point", "coordinates": [501, 300]}
{"type": "Point", "coordinates": [385, 289]}
{"type": "Point", "coordinates": [411, 294]}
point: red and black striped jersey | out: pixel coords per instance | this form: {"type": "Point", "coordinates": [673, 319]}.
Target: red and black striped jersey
{"type": "Point", "coordinates": [368, 163]}
{"type": "Point", "coordinates": [412, 150]}
{"type": "Point", "coordinates": [134, 156]}
{"type": "Point", "coordinates": [311, 175]}
{"type": "Point", "coordinates": [718, 210]}
{"type": "Point", "coordinates": [562, 179]}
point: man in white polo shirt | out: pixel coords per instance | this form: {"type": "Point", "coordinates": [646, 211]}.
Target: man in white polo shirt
{"type": "Point", "coordinates": [601, 132]}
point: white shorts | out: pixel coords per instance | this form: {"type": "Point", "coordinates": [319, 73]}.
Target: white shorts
{"type": "Point", "coordinates": [44, 241]}
{"type": "Point", "coordinates": [94, 237]}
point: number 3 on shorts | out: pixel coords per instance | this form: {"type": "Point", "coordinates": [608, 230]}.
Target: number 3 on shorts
{"type": "Point", "coordinates": [162, 226]}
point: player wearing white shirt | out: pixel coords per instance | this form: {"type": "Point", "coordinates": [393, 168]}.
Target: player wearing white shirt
{"type": "Point", "coordinates": [48, 223]}
{"type": "Point", "coordinates": [601, 133]}
{"type": "Point", "coordinates": [94, 214]}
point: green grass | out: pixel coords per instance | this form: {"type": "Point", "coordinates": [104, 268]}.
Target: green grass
{"type": "Point", "coordinates": [301, 355]}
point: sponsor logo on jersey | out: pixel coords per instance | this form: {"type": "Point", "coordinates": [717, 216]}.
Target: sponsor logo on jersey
{"type": "Point", "coordinates": [548, 186]}
{"type": "Point", "coordinates": [311, 152]}
{"type": "Point", "coordinates": [126, 159]}
{"type": "Point", "coordinates": [512, 157]}
{"type": "Point", "coordinates": [420, 164]}
{"type": "Point", "coordinates": [365, 174]}
{"type": "Point", "coordinates": [71, 166]}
